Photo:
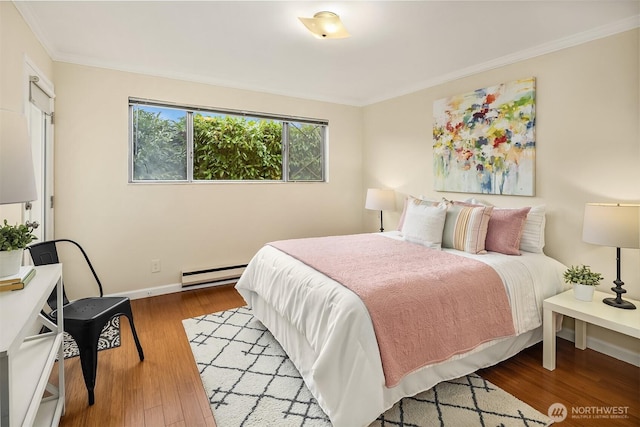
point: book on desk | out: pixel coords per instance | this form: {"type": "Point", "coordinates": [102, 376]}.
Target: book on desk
{"type": "Point", "coordinates": [19, 280]}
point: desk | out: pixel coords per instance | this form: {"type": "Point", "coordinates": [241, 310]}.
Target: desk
{"type": "Point", "coordinates": [595, 312]}
{"type": "Point", "coordinates": [27, 361]}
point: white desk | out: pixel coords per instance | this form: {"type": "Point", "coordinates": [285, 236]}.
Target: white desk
{"type": "Point", "coordinates": [27, 361]}
{"type": "Point", "coordinates": [595, 312]}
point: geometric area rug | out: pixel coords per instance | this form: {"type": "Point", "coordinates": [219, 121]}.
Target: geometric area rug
{"type": "Point", "coordinates": [251, 382]}
{"type": "Point", "coordinates": [109, 338]}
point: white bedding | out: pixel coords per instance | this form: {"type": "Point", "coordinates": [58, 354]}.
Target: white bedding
{"type": "Point", "coordinates": [326, 330]}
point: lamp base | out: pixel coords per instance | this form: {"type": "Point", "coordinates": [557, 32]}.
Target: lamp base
{"type": "Point", "coordinates": [619, 304]}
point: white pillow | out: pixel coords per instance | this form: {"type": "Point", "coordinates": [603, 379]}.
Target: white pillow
{"type": "Point", "coordinates": [411, 199]}
{"type": "Point", "coordinates": [423, 223]}
{"type": "Point", "coordinates": [533, 231]}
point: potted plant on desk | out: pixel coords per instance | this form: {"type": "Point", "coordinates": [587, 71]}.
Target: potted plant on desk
{"type": "Point", "coordinates": [583, 280]}
{"type": "Point", "coordinates": [13, 240]}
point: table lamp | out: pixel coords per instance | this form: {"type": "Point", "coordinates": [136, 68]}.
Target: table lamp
{"type": "Point", "coordinates": [380, 200]}
{"type": "Point", "coordinates": [616, 225]}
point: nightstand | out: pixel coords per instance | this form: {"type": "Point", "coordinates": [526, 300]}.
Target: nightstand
{"type": "Point", "coordinates": [595, 312]}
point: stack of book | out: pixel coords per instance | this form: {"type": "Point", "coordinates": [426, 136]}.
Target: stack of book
{"type": "Point", "coordinates": [17, 281]}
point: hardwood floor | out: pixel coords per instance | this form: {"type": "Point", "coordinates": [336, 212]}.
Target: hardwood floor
{"type": "Point", "coordinates": [165, 389]}
{"type": "Point", "coordinates": [584, 380]}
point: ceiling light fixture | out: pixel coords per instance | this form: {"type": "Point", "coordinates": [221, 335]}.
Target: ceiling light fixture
{"type": "Point", "coordinates": [326, 25]}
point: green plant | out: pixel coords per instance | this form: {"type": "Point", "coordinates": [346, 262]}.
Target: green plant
{"type": "Point", "coordinates": [14, 237]}
{"type": "Point", "coordinates": [236, 148]}
{"type": "Point", "coordinates": [582, 274]}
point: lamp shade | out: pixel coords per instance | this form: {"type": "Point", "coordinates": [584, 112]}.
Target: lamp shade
{"type": "Point", "coordinates": [380, 200]}
{"type": "Point", "coordinates": [609, 224]}
{"type": "Point", "coordinates": [17, 179]}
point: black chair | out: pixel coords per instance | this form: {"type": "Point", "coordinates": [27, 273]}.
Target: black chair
{"type": "Point", "coordinates": [85, 318]}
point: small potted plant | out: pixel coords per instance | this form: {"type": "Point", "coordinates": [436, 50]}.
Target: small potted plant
{"type": "Point", "coordinates": [13, 240]}
{"type": "Point", "coordinates": [584, 281]}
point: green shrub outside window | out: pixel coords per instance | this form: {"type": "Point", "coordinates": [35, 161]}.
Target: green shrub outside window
{"type": "Point", "coordinates": [223, 146]}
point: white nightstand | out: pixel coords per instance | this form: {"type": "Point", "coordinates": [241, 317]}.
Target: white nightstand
{"type": "Point", "coordinates": [595, 312]}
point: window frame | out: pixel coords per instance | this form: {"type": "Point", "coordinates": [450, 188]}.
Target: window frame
{"type": "Point", "coordinates": [190, 110]}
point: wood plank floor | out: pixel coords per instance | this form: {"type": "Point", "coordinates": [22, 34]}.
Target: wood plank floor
{"type": "Point", "coordinates": [165, 389]}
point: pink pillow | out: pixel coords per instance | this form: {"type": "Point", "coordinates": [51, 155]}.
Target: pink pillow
{"type": "Point", "coordinates": [505, 230]}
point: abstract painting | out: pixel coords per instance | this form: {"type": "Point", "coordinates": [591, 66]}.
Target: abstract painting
{"type": "Point", "coordinates": [484, 141]}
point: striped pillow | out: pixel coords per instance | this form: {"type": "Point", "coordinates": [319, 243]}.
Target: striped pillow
{"type": "Point", "coordinates": [465, 228]}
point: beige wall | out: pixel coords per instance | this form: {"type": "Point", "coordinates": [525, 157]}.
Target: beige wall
{"type": "Point", "coordinates": [17, 43]}
{"type": "Point", "coordinates": [587, 145]}
{"type": "Point", "coordinates": [124, 226]}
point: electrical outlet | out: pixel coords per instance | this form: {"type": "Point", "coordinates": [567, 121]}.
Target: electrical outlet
{"type": "Point", "coordinates": [155, 265]}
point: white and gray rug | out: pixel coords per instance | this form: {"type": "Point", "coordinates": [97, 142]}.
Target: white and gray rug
{"type": "Point", "coordinates": [251, 382]}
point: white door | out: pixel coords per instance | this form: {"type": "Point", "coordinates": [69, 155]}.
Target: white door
{"type": "Point", "coordinates": [39, 114]}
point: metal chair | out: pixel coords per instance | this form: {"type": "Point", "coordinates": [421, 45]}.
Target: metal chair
{"type": "Point", "coordinates": [85, 318]}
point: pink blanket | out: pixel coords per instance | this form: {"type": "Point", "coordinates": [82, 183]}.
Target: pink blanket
{"type": "Point", "coordinates": [425, 305]}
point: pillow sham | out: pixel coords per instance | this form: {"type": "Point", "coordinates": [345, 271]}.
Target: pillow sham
{"type": "Point", "coordinates": [533, 231]}
{"type": "Point", "coordinates": [505, 230]}
{"type": "Point", "coordinates": [423, 223]}
{"type": "Point", "coordinates": [465, 227]}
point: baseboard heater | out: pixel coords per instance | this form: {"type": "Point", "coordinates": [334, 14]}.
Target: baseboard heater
{"type": "Point", "coordinates": [214, 275]}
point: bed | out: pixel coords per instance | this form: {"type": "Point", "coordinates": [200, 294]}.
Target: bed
{"type": "Point", "coordinates": [328, 330]}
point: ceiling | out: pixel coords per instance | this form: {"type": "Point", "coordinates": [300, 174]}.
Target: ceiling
{"type": "Point", "coordinates": [396, 47]}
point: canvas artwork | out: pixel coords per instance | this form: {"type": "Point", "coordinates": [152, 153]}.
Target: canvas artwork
{"type": "Point", "coordinates": [484, 141]}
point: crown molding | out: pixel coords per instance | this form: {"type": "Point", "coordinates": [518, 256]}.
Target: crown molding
{"type": "Point", "coordinates": [24, 8]}
{"type": "Point", "coordinates": [614, 28]}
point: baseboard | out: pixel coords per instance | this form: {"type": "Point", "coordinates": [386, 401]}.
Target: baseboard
{"type": "Point", "coordinates": [600, 346]}
{"type": "Point", "coordinates": [167, 289]}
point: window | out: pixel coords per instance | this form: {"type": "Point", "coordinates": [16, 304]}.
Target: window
{"type": "Point", "coordinates": [192, 144]}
